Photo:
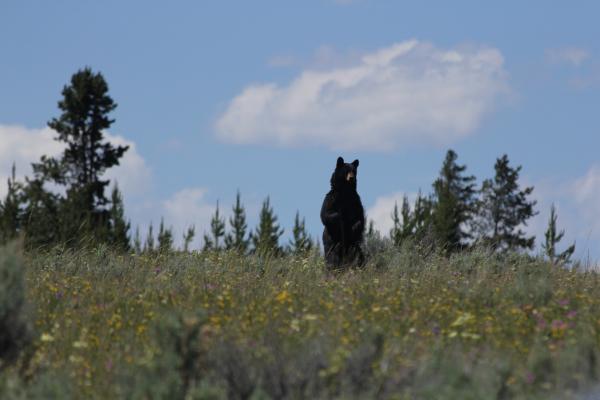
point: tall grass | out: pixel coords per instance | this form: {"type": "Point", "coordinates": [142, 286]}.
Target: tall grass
{"type": "Point", "coordinates": [411, 324]}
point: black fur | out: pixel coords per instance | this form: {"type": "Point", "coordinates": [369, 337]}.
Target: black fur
{"type": "Point", "coordinates": [344, 218]}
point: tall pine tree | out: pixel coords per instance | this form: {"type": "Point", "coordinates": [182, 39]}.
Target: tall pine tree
{"type": "Point", "coordinates": [504, 208]}
{"type": "Point", "coordinates": [41, 216]}
{"type": "Point", "coordinates": [188, 236]}
{"type": "Point", "coordinates": [396, 231]}
{"type": "Point", "coordinates": [265, 239]}
{"type": "Point", "coordinates": [119, 228]}
{"type": "Point", "coordinates": [301, 242]}
{"type": "Point", "coordinates": [454, 204]}
{"type": "Point", "coordinates": [552, 239]}
{"type": "Point", "coordinates": [165, 238]}
{"type": "Point", "coordinates": [85, 108]}
{"type": "Point", "coordinates": [236, 238]}
{"type": "Point", "coordinates": [149, 243]}
{"type": "Point", "coordinates": [11, 209]}
{"type": "Point", "coordinates": [403, 222]}
{"type": "Point", "coordinates": [137, 241]}
{"type": "Point", "coordinates": [422, 217]}
{"type": "Point", "coordinates": [217, 231]}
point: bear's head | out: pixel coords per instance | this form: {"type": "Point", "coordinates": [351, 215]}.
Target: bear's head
{"type": "Point", "coordinates": [344, 176]}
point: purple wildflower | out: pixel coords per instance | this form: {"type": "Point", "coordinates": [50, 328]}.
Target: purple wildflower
{"type": "Point", "coordinates": [563, 302]}
{"type": "Point", "coordinates": [529, 377]}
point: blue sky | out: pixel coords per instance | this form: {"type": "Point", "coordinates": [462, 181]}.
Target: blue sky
{"type": "Point", "coordinates": [263, 96]}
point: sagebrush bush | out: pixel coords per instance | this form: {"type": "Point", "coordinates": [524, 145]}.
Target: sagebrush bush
{"type": "Point", "coordinates": [14, 326]}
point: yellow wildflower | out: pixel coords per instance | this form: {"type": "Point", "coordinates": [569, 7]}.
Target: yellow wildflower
{"type": "Point", "coordinates": [46, 337]}
{"type": "Point", "coordinates": [282, 296]}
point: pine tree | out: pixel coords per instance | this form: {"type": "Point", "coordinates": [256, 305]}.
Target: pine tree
{"type": "Point", "coordinates": [165, 238]}
{"type": "Point", "coordinates": [119, 228]}
{"type": "Point", "coordinates": [137, 241]}
{"type": "Point", "coordinates": [454, 204]}
{"type": "Point", "coordinates": [422, 217]}
{"type": "Point", "coordinates": [504, 208]}
{"type": "Point", "coordinates": [236, 238]}
{"type": "Point", "coordinates": [265, 238]}
{"type": "Point", "coordinates": [408, 219]}
{"type": "Point", "coordinates": [396, 231]}
{"type": "Point", "coordinates": [149, 244]}
{"type": "Point", "coordinates": [11, 209]}
{"type": "Point", "coordinates": [188, 236]}
{"type": "Point", "coordinates": [301, 242]}
{"type": "Point", "coordinates": [40, 218]}
{"type": "Point", "coordinates": [403, 223]}
{"type": "Point", "coordinates": [371, 232]}
{"type": "Point", "coordinates": [552, 239]}
{"type": "Point", "coordinates": [217, 231]}
{"type": "Point", "coordinates": [373, 243]}
{"type": "Point", "coordinates": [85, 107]}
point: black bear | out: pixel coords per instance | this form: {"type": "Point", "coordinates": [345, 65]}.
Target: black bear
{"type": "Point", "coordinates": [344, 218]}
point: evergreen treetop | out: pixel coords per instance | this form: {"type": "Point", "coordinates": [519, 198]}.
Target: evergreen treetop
{"type": "Point", "coordinates": [188, 236]}
{"type": "Point", "coordinates": [236, 238]}
{"type": "Point", "coordinates": [119, 228]}
{"type": "Point", "coordinates": [217, 231]}
{"type": "Point", "coordinates": [137, 241]}
{"type": "Point", "coordinates": [41, 221]}
{"type": "Point", "coordinates": [454, 204]}
{"type": "Point", "coordinates": [82, 212]}
{"type": "Point", "coordinates": [11, 210]}
{"type": "Point", "coordinates": [301, 242]}
{"type": "Point", "coordinates": [404, 222]}
{"type": "Point", "coordinates": [265, 239]}
{"type": "Point", "coordinates": [85, 107]}
{"type": "Point", "coordinates": [504, 209]}
{"type": "Point", "coordinates": [149, 243]}
{"type": "Point", "coordinates": [165, 238]}
{"type": "Point", "coordinates": [552, 239]}
{"type": "Point", "coordinates": [422, 216]}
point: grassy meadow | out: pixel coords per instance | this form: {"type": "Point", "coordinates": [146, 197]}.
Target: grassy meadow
{"type": "Point", "coordinates": [411, 325]}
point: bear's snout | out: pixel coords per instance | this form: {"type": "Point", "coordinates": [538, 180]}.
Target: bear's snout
{"type": "Point", "coordinates": [350, 176]}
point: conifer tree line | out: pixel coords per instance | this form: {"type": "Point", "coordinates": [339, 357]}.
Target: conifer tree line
{"type": "Point", "coordinates": [458, 214]}
{"type": "Point", "coordinates": [263, 240]}
{"type": "Point", "coordinates": [82, 213]}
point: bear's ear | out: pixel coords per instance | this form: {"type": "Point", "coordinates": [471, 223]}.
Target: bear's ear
{"type": "Point", "coordinates": [355, 163]}
{"type": "Point", "coordinates": [340, 162]}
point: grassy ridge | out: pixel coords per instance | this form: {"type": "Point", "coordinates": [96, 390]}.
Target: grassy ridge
{"type": "Point", "coordinates": [220, 325]}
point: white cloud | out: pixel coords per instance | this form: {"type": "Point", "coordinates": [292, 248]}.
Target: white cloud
{"type": "Point", "coordinates": [588, 187]}
{"type": "Point", "coordinates": [132, 174]}
{"type": "Point", "coordinates": [574, 56]}
{"type": "Point", "coordinates": [586, 191]}
{"type": "Point", "coordinates": [411, 92]}
{"type": "Point", "coordinates": [578, 209]}
{"type": "Point", "coordinates": [24, 145]}
{"type": "Point", "coordinates": [189, 207]}
{"type": "Point", "coordinates": [381, 211]}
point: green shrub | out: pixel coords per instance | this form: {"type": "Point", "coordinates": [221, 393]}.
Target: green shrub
{"type": "Point", "coordinates": [14, 327]}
